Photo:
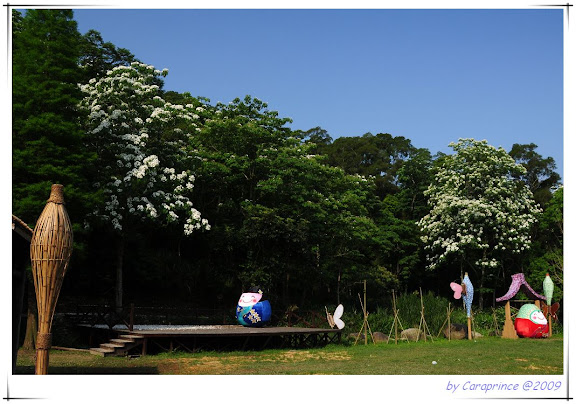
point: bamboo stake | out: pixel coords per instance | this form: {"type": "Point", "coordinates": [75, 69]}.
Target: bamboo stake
{"type": "Point", "coordinates": [395, 322]}
{"type": "Point", "coordinates": [50, 250]}
{"type": "Point", "coordinates": [448, 314]}
{"type": "Point", "coordinates": [423, 321]}
{"type": "Point", "coordinates": [365, 316]}
{"type": "Point", "coordinates": [367, 324]}
{"type": "Point", "coordinates": [395, 318]}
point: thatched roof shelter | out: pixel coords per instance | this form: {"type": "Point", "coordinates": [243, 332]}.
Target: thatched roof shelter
{"type": "Point", "coordinates": [21, 228]}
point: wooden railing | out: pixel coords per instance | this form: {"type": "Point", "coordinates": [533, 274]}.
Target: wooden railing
{"type": "Point", "coordinates": [109, 316]}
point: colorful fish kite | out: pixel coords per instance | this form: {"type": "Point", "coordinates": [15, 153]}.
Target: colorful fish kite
{"type": "Point", "coordinates": [469, 294]}
{"type": "Point", "coordinates": [548, 287]}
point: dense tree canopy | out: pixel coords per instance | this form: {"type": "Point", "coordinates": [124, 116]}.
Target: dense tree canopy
{"type": "Point", "coordinates": [98, 57]}
{"type": "Point", "coordinates": [304, 216]}
{"type": "Point", "coordinates": [284, 219]}
{"type": "Point", "coordinates": [546, 255]}
{"type": "Point", "coordinates": [47, 143]}
{"type": "Point", "coordinates": [379, 156]}
{"type": "Point", "coordinates": [143, 167]}
{"type": "Point", "coordinates": [540, 176]}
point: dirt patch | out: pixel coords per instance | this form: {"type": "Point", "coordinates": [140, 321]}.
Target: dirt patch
{"type": "Point", "coordinates": [198, 366]}
{"type": "Point", "coordinates": [300, 356]}
{"type": "Point", "coordinates": [546, 368]}
{"type": "Point", "coordinates": [234, 364]}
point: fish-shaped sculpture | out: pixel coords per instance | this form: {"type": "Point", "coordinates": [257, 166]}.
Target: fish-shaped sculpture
{"type": "Point", "coordinates": [468, 295]}
{"type": "Point", "coordinates": [548, 287]}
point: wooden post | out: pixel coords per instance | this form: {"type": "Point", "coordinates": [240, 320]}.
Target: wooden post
{"type": "Point", "coordinates": [469, 328]}
{"type": "Point", "coordinates": [131, 327]}
{"type": "Point", "coordinates": [449, 327]}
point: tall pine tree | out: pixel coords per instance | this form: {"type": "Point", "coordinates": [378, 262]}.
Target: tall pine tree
{"type": "Point", "coordinates": [47, 143]}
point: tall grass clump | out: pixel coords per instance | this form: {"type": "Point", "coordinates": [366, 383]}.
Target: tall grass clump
{"type": "Point", "coordinates": [409, 309]}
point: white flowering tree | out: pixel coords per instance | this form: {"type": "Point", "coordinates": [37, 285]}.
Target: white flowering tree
{"type": "Point", "coordinates": [143, 166]}
{"type": "Point", "coordinates": [479, 214]}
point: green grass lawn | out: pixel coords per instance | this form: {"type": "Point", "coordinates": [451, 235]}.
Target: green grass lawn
{"type": "Point", "coordinates": [485, 356]}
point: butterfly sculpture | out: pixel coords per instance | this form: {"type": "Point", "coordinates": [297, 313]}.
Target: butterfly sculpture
{"type": "Point", "coordinates": [465, 290]}
{"type": "Point", "coordinates": [458, 289]}
{"type": "Point", "coordinates": [550, 310]}
{"type": "Point", "coordinates": [334, 319]}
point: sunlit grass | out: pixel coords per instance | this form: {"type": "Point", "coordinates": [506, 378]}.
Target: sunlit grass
{"type": "Point", "coordinates": [488, 355]}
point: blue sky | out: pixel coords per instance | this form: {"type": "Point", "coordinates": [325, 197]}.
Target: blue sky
{"type": "Point", "coordinates": [432, 76]}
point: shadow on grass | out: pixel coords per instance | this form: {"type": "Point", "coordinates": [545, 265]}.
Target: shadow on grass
{"type": "Point", "coordinates": [61, 370]}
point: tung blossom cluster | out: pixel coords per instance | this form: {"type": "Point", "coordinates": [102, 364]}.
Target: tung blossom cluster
{"type": "Point", "coordinates": [127, 123]}
{"type": "Point", "coordinates": [477, 209]}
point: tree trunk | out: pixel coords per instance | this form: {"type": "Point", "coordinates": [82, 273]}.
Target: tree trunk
{"type": "Point", "coordinates": [119, 264]}
{"type": "Point", "coordinates": [338, 289]}
{"type": "Point", "coordinates": [31, 322]}
{"type": "Point", "coordinates": [303, 302]}
{"type": "Point", "coordinates": [286, 297]}
{"type": "Point", "coordinates": [480, 294]}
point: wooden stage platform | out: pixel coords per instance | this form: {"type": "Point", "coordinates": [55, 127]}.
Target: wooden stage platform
{"type": "Point", "coordinates": [151, 339]}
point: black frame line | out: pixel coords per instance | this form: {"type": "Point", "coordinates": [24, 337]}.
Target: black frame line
{"type": "Point", "coordinates": [567, 5]}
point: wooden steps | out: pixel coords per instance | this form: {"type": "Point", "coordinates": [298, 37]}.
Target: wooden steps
{"type": "Point", "coordinates": [118, 346]}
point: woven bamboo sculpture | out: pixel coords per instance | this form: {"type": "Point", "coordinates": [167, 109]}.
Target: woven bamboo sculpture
{"type": "Point", "coordinates": [50, 250]}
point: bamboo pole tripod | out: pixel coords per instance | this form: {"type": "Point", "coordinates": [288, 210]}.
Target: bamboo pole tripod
{"type": "Point", "coordinates": [365, 324]}
{"type": "Point", "coordinates": [449, 311]}
{"type": "Point", "coordinates": [423, 326]}
{"type": "Point", "coordinates": [396, 321]}
{"type": "Point", "coordinates": [50, 250]}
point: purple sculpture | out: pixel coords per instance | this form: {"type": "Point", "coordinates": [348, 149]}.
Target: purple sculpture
{"type": "Point", "coordinates": [518, 281]}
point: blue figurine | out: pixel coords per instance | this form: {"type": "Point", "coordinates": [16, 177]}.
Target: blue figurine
{"type": "Point", "coordinates": [251, 312]}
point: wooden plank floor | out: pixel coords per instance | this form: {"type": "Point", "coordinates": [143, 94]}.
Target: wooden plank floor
{"type": "Point", "coordinates": [194, 338]}
{"type": "Point", "coordinates": [230, 331]}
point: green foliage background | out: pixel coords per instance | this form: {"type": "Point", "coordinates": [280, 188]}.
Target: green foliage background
{"type": "Point", "coordinates": [304, 216]}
